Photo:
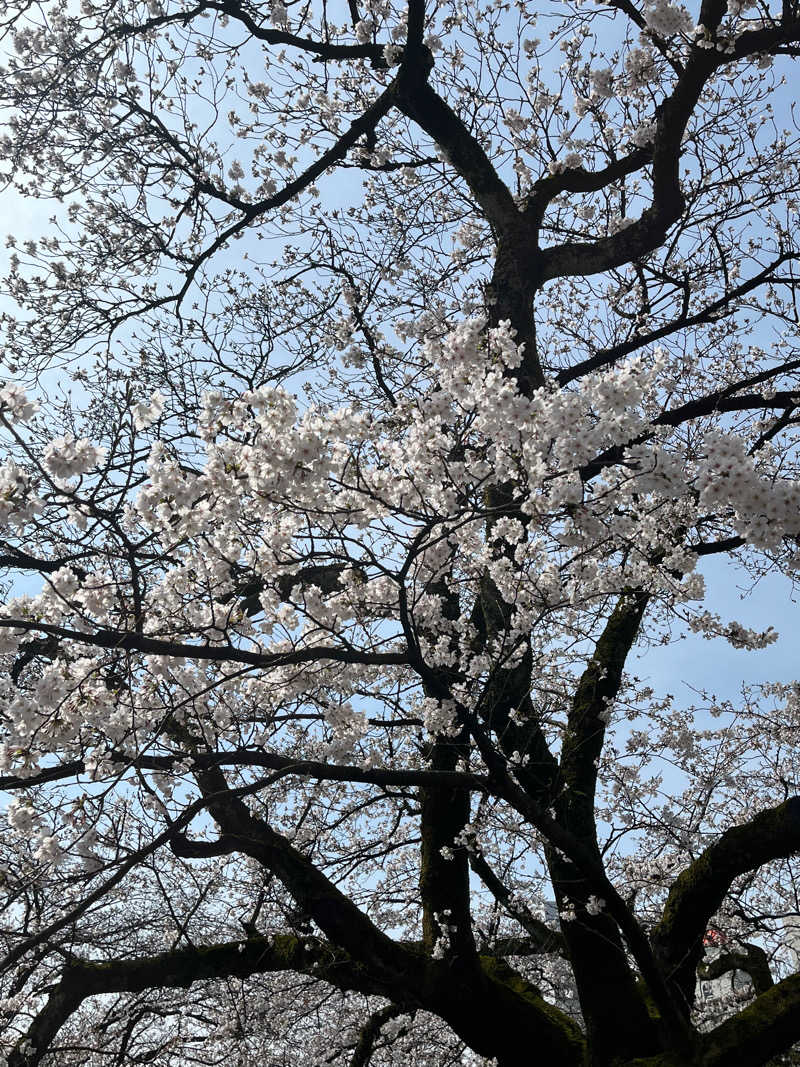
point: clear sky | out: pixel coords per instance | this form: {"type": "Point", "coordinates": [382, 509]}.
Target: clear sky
{"type": "Point", "coordinates": [715, 665]}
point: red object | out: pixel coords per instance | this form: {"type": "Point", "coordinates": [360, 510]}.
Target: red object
{"type": "Point", "coordinates": [713, 937]}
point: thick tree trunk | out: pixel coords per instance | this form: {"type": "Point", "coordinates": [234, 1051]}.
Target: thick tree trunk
{"type": "Point", "coordinates": [618, 1025]}
{"type": "Point", "coordinates": [502, 1016]}
{"type": "Point", "coordinates": [510, 298]}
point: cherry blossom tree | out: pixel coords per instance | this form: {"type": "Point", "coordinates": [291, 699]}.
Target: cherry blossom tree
{"type": "Point", "coordinates": [382, 379]}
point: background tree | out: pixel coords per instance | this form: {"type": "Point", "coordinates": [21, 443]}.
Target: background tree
{"type": "Point", "coordinates": [388, 373]}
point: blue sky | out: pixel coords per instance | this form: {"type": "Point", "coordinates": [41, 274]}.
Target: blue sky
{"type": "Point", "coordinates": [714, 665]}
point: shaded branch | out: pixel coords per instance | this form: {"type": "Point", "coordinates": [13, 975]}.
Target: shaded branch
{"type": "Point", "coordinates": [708, 405]}
{"type": "Point", "coordinates": [700, 889]}
{"type": "Point", "coordinates": [370, 1033]}
{"type": "Point", "coordinates": [580, 180]}
{"type": "Point", "coordinates": [134, 642]}
{"type": "Point", "coordinates": [324, 576]}
{"type": "Point", "coordinates": [612, 1003]}
{"type": "Point", "coordinates": [444, 877]}
{"type": "Point", "coordinates": [541, 937]}
{"type": "Point", "coordinates": [769, 1025]}
{"type": "Point", "coordinates": [671, 118]}
{"type": "Point", "coordinates": [15, 557]}
{"type": "Point", "coordinates": [586, 722]}
{"type": "Point", "coordinates": [606, 356]}
{"type": "Point", "coordinates": [458, 993]}
{"type": "Point", "coordinates": [587, 863]}
{"type": "Point", "coordinates": [334, 912]}
{"type": "Point", "coordinates": [419, 102]}
{"type": "Point", "coordinates": [752, 960]}
{"type": "Point", "coordinates": [242, 757]}
{"type": "Point", "coordinates": [181, 968]}
{"type": "Point", "coordinates": [322, 50]}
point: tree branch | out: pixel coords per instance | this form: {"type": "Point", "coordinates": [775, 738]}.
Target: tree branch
{"type": "Point", "coordinates": [320, 49]}
{"type": "Point", "coordinates": [769, 1025]}
{"type": "Point", "coordinates": [241, 757]}
{"type": "Point", "coordinates": [120, 640]}
{"type": "Point", "coordinates": [419, 102]}
{"type": "Point", "coordinates": [606, 356]}
{"type": "Point", "coordinates": [541, 937]}
{"type": "Point", "coordinates": [647, 232]}
{"type": "Point", "coordinates": [586, 722]}
{"type": "Point", "coordinates": [335, 914]}
{"type": "Point", "coordinates": [700, 889]}
{"type": "Point", "coordinates": [181, 968]}
{"type": "Point", "coordinates": [370, 1032]}
{"type": "Point", "coordinates": [456, 990]}
{"type": "Point", "coordinates": [752, 960]}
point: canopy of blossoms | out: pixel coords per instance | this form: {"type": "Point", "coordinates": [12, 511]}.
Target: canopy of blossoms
{"type": "Point", "coordinates": [376, 393]}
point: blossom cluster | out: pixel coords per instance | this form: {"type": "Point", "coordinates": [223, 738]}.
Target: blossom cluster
{"type": "Point", "coordinates": [578, 528]}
